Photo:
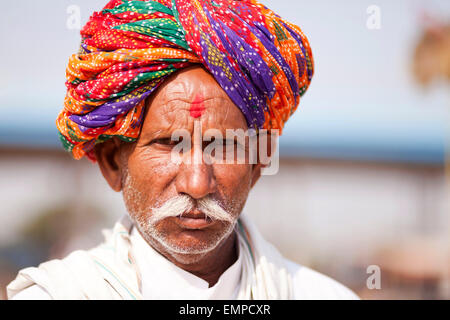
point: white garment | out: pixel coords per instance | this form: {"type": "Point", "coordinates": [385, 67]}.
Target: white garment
{"type": "Point", "coordinates": [126, 267]}
{"type": "Point", "coordinates": [174, 283]}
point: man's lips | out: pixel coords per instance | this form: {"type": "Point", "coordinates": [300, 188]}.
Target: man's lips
{"type": "Point", "coordinates": [194, 220]}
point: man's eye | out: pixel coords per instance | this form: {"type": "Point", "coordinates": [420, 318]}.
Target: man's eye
{"type": "Point", "coordinates": [165, 142]}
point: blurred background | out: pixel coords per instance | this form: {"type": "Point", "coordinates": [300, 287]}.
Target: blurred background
{"type": "Point", "coordinates": [364, 172]}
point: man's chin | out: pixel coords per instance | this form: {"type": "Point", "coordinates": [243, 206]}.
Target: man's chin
{"type": "Point", "coordinates": [191, 242]}
{"type": "Point", "coordinates": [185, 243]}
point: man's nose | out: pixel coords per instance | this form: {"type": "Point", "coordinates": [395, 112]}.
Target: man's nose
{"type": "Point", "coordinates": [195, 177]}
{"type": "Point", "coordinates": [196, 180]}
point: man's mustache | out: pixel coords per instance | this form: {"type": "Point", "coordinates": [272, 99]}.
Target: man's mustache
{"type": "Point", "coordinates": [178, 205]}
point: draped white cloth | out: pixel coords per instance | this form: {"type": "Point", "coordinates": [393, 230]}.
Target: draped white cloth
{"type": "Point", "coordinates": [110, 271]}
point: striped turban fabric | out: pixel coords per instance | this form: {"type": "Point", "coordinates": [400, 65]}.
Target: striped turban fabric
{"type": "Point", "coordinates": [263, 62]}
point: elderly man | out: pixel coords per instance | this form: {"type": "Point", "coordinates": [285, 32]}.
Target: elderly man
{"type": "Point", "coordinates": [152, 76]}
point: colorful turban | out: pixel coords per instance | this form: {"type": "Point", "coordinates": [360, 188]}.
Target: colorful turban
{"type": "Point", "coordinates": [263, 62]}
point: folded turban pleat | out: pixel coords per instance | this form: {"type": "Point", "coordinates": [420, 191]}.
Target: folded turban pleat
{"type": "Point", "coordinates": [263, 62]}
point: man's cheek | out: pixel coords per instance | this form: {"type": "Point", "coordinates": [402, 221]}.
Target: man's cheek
{"type": "Point", "coordinates": [151, 177]}
{"type": "Point", "coordinates": [157, 170]}
{"type": "Point", "coordinates": [232, 174]}
{"type": "Point", "coordinates": [234, 178]}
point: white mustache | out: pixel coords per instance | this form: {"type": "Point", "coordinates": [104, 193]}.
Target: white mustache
{"type": "Point", "coordinates": [178, 205]}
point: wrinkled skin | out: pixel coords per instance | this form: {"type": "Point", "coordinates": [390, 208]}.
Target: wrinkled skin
{"type": "Point", "coordinates": [145, 173]}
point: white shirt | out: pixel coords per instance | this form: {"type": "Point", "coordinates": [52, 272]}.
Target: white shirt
{"type": "Point", "coordinates": [174, 283]}
{"type": "Point", "coordinates": [161, 279]}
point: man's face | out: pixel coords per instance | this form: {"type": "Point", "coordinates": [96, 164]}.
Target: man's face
{"type": "Point", "coordinates": [151, 180]}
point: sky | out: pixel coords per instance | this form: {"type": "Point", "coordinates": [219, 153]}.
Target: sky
{"type": "Point", "coordinates": [362, 102]}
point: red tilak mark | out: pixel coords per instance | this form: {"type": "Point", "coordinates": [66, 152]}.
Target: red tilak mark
{"type": "Point", "coordinates": [197, 106]}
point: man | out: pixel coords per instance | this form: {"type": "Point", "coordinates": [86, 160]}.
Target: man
{"type": "Point", "coordinates": [152, 76]}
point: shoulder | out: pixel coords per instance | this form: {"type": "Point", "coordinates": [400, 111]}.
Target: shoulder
{"type": "Point", "coordinates": [35, 292]}
{"type": "Point", "coordinates": [67, 278]}
{"type": "Point", "coordinates": [312, 285]}
{"type": "Point", "coordinates": [100, 272]}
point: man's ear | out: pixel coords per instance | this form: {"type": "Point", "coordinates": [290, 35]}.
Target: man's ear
{"type": "Point", "coordinates": [256, 173]}
{"type": "Point", "coordinates": [109, 160]}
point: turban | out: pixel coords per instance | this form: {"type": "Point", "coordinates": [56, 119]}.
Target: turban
{"type": "Point", "coordinates": [263, 62]}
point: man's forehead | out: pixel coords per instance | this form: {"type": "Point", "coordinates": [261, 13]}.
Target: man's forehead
{"type": "Point", "coordinates": [190, 85]}
{"type": "Point", "coordinates": [191, 95]}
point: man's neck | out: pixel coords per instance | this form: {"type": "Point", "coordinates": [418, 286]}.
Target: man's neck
{"type": "Point", "coordinates": [209, 266]}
